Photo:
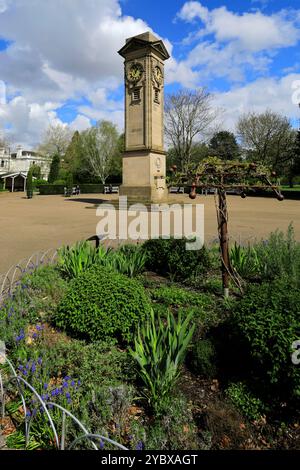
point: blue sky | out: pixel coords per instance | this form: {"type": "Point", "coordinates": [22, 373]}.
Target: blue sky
{"type": "Point", "coordinates": [59, 61]}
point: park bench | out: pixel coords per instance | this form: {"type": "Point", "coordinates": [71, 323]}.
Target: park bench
{"type": "Point", "coordinates": [111, 189]}
{"type": "Point", "coordinates": [176, 189]}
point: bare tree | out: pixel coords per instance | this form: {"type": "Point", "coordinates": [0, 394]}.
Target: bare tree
{"type": "Point", "coordinates": [268, 137]}
{"type": "Point", "coordinates": [100, 144]}
{"type": "Point", "coordinates": [188, 116]}
{"type": "Point", "coordinates": [56, 140]}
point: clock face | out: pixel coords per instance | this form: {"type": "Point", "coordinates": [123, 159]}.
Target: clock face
{"type": "Point", "coordinates": [158, 74]}
{"type": "Point", "coordinates": [135, 73]}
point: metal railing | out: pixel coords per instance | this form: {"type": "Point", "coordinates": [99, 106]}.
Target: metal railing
{"type": "Point", "coordinates": [9, 280]}
{"type": "Point", "coordinates": [58, 427]}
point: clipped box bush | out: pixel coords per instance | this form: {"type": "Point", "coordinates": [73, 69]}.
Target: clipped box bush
{"type": "Point", "coordinates": [268, 320]}
{"type": "Point", "coordinates": [101, 304]}
{"type": "Point", "coordinates": [170, 257]}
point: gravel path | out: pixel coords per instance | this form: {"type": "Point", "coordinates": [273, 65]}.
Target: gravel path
{"type": "Point", "coordinates": [49, 221]}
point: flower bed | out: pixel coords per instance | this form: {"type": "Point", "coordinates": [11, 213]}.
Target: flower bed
{"type": "Point", "coordinates": [189, 356]}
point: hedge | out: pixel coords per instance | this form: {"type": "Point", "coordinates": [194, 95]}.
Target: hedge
{"type": "Point", "coordinates": [48, 189]}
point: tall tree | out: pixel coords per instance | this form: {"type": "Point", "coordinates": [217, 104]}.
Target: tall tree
{"type": "Point", "coordinates": [54, 168]}
{"type": "Point", "coordinates": [56, 140]}
{"type": "Point", "coordinates": [292, 168]}
{"type": "Point", "coordinates": [74, 156]}
{"type": "Point", "coordinates": [101, 145]}
{"type": "Point", "coordinates": [268, 137]}
{"type": "Point", "coordinates": [224, 145]}
{"type": "Point", "coordinates": [188, 117]}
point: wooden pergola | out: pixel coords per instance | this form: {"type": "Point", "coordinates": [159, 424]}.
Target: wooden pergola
{"type": "Point", "coordinates": [13, 177]}
{"type": "Point", "coordinates": [221, 176]}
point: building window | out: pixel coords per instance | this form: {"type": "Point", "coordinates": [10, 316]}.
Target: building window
{"type": "Point", "coordinates": [156, 96]}
{"type": "Point", "coordinates": [2, 163]}
{"type": "Point", "coordinates": [136, 95]}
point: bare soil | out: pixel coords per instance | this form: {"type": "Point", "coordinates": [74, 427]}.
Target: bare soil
{"type": "Point", "coordinates": [30, 225]}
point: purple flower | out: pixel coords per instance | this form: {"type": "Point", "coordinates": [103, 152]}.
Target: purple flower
{"type": "Point", "coordinates": [28, 414]}
{"type": "Point", "coordinates": [101, 444]}
{"type": "Point", "coordinates": [139, 446]}
{"type": "Point", "coordinates": [35, 335]}
{"type": "Point", "coordinates": [65, 385]}
{"type": "Point", "coordinates": [79, 383]}
{"type": "Point", "coordinates": [45, 386]}
{"type": "Point", "coordinates": [68, 395]}
{"type": "Point", "coordinates": [39, 360]}
{"type": "Point", "coordinates": [39, 327]}
{"type": "Point", "coordinates": [67, 377]}
{"type": "Point", "coordinates": [72, 383]}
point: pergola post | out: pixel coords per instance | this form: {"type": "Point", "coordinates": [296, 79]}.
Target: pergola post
{"type": "Point", "coordinates": [12, 184]}
{"type": "Point", "coordinates": [223, 234]}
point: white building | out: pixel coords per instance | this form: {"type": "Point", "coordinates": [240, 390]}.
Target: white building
{"type": "Point", "coordinates": [14, 166]}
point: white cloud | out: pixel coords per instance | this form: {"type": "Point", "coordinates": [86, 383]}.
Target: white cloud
{"type": "Point", "coordinates": [231, 44]}
{"type": "Point", "coordinates": [80, 123]}
{"type": "Point", "coordinates": [262, 94]}
{"type": "Point", "coordinates": [254, 31]}
{"type": "Point", "coordinates": [60, 51]}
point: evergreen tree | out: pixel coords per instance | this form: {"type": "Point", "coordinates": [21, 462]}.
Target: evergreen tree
{"type": "Point", "coordinates": [29, 183]}
{"type": "Point", "coordinates": [54, 168]}
{"type": "Point", "coordinates": [224, 145]}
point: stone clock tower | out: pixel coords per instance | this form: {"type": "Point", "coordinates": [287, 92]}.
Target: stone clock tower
{"type": "Point", "coordinates": [144, 161]}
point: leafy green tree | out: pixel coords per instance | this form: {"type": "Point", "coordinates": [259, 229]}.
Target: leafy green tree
{"type": "Point", "coordinates": [54, 168]}
{"type": "Point", "coordinates": [100, 146]}
{"type": "Point", "coordinates": [74, 156]}
{"type": "Point", "coordinates": [116, 161]}
{"type": "Point", "coordinates": [69, 181]}
{"type": "Point", "coordinates": [224, 146]}
{"type": "Point", "coordinates": [292, 169]}
{"type": "Point", "coordinates": [36, 171]}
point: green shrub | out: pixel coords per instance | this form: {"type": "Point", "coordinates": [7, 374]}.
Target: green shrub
{"type": "Point", "coordinates": [51, 189]}
{"type": "Point", "coordinates": [268, 320]}
{"type": "Point", "coordinates": [101, 304]}
{"type": "Point", "coordinates": [243, 399]}
{"type": "Point", "coordinates": [178, 297]}
{"type": "Point", "coordinates": [203, 358]}
{"type": "Point", "coordinates": [279, 256]}
{"type": "Point", "coordinates": [202, 307]}
{"type": "Point", "coordinates": [160, 349]}
{"type": "Point", "coordinates": [170, 257]}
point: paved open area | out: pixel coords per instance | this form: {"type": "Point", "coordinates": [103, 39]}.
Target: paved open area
{"type": "Point", "coordinates": [30, 225]}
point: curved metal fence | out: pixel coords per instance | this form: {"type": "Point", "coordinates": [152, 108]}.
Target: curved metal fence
{"type": "Point", "coordinates": [57, 426]}
{"type": "Point", "coordinates": [9, 280]}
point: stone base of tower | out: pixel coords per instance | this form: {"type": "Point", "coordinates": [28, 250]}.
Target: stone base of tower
{"type": "Point", "coordinates": [144, 194]}
{"type": "Point", "coordinates": [144, 178]}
